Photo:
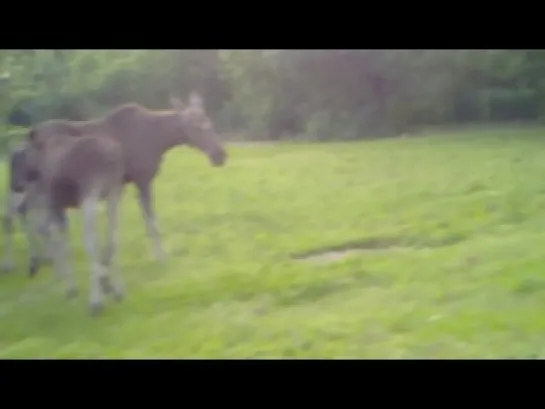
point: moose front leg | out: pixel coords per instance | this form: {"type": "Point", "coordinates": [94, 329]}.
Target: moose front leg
{"type": "Point", "coordinates": [13, 201]}
{"type": "Point", "coordinates": [146, 204]}
{"type": "Point", "coordinates": [99, 273]}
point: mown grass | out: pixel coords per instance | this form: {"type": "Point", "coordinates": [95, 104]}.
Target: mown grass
{"type": "Point", "coordinates": [465, 214]}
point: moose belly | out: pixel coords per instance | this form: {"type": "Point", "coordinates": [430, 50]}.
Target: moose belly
{"type": "Point", "coordinates": [65, 194]}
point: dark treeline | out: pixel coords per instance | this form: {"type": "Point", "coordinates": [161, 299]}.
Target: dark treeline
{"type": "Point", "coordinates": [275, 94]}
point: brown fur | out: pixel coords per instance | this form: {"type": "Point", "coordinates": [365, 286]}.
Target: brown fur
{"type": "Point", "coordinates": [69, 168]}
{"type": "Point", "coordinates": [17, 194]}
{"type": "Point", "coordinates": [145, 136]}
{"type": "Point", "coordinates": [78, 172]}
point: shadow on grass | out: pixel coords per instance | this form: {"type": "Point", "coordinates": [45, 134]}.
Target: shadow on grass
{"type": "Point", "coordinates": [339, 251]}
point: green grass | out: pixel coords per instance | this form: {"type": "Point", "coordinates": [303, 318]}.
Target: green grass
{"type": "Point", "coordinates": [466, 277]}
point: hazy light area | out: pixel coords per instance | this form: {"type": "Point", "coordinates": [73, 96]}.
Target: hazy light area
{"type": "Point", "coordinates": [283, 203]}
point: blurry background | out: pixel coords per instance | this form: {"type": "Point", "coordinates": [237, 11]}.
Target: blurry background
{"type": "Point", "coordinates": [275, 94]}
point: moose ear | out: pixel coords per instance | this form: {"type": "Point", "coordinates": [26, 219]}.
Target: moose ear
{"type": "Point", "coordinates": [196, 100]}
{"type": "Point", "coordinates": [176, 103]}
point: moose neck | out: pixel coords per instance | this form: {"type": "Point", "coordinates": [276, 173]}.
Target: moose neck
{"type": "Point", "coordinates": [170, 136]}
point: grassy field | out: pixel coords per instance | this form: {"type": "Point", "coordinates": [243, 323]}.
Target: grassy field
{"type": "Point", "coordinates": [451, 232]}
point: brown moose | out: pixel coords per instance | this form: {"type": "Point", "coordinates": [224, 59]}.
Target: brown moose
{"type": "Point", "coordinates": [70, 172]}
{"type": "Point", "coordinates": [145, 136]}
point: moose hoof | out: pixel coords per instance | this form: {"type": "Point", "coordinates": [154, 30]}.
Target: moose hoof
{"type": "Point", "coordinates": [115, 289]}
{"type": "Point", "coordinates": [95, 308]}
{"type": "Point", "coordinates": [71, 293]}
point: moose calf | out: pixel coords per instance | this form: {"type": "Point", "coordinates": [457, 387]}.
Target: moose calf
{"type": "Point", "coordinates": [78, 173]}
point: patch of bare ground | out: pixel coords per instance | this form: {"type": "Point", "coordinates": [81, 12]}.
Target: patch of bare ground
{"type": "Point", "coordinates": [337, 252]}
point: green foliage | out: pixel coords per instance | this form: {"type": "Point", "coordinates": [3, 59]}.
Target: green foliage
{"type": "Point", "coordinates": [274, 94]}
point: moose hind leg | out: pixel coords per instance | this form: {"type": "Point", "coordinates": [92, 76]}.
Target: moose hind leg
{"type": "Point", "coordinates": [116, 287]}
{"type": "Point", "coordinates": [31, 220]}
{"type": "Point", "coordinates": [7, 264]}
{"type": "Point", "coordinates": [98, 270]}
{"type": "Point", "coordinates": [146, 203]}
{"type": "Point", "coordinates": [12, 201]}
{"type": "Point", "coordinates": [59, 245]}
{"type": "Point", "coordinates": [31, 234]}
